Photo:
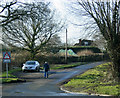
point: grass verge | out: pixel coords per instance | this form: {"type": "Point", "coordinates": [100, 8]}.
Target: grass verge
{"type": "Point", "coordinates": [11, 78]}
{"type": "Point", "coordinates": [64, 66]}
{"type": "Point", "coordinates": [96, 80]}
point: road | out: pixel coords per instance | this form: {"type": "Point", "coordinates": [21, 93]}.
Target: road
{"type": "Point", "coordinates": [38, 86]}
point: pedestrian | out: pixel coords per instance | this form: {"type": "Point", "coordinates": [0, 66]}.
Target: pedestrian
{"type": "Point", "coordinates": [46, 69]}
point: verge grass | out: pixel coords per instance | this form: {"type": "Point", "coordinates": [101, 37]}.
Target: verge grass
{"type": "Point", "coordinates": [11, 77]}
{"type": "Point", "coordinates": [64, 66]}
{"type": "Point", "coordinates": [94, 81]}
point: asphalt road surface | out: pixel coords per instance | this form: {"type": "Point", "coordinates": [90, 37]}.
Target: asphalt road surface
{"type": "Point", "coordinates": [37, 85]}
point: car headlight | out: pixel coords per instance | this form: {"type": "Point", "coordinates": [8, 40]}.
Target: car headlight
{"type": "Point", "coordinates": [23, 67]}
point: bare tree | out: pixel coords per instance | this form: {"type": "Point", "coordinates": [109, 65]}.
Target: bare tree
{"type": "Point", "coordinates": [105, 18]}
{"type": "Point", "coordinates": [99, 41]}
{"type": "Point", "coordinates": [53, 44]}
{"type": "Point", "coordinates": [55, 41]}
{"type": "Point", "coordinates": [34, 30]}
{"type": "Point", "coordinates": [8, 12]}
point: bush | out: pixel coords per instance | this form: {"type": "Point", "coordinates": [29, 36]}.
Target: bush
{"type": "Point", "coordinates": [18, 59]}
{"type": "Point", "coordinates": [61, 59]}
{"type": "Point", "coordinates": [77, 49]}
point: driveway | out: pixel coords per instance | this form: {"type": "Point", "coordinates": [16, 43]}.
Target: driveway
{"type": "Point", "coordinates": [36, 85]}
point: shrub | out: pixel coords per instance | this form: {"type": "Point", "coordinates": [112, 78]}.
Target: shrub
{"type": "Point", "coordinates": [77, 49]}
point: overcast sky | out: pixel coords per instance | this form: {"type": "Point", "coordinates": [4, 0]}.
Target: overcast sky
{"type": "Point", "coordinates": [63, 8]}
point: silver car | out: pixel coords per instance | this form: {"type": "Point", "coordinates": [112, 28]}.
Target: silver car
{"type": "Point", "coordinates": [31, 66]}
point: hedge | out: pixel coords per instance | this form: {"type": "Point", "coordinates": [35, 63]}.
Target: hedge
{"type": "Point", "coordinates": [77, 49]}
{"type": "Point", "coordinates": [18, 61]}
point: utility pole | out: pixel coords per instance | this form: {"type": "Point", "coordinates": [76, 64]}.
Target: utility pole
{"type": "Point", "coordinates": [66, 48]}
{"type": "Point", "coordinates": [119, 18]}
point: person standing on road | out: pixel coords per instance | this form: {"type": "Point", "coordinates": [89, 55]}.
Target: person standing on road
{"type": "Point", "coordinates": [46, 69]}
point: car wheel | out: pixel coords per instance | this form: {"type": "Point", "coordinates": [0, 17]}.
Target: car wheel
{"type": "Point", "coordinates": [38, 69]}
{"type": "Point", "coordinates": [23, 71]}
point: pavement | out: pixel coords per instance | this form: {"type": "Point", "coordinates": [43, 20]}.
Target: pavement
{"type": "Point", "coordinates": [39, 86]}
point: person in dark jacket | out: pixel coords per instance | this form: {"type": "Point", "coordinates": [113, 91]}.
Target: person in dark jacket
{"type": "Point", "coordinates": [46, 69]}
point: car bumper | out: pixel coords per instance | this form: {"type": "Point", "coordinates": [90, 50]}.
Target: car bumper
{"type": "Point", "coordinates": [28, 69]}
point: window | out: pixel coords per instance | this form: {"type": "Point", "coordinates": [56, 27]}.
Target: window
{"type": "Point", "coordinates": [30, 63]}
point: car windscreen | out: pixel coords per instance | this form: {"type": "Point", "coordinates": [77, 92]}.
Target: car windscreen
{"type": "Point", "coordinates": [30, 63]}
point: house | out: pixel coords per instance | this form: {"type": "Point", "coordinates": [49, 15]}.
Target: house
{"type": "Point", "coordinates": [84, 42]}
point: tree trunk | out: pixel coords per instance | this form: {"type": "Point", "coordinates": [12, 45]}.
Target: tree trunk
{"type": "Point", "coordinates": [32, 56]}
{"type": "Point", "coordinates": [114, 53]}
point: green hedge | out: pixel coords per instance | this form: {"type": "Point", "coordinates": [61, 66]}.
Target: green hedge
{"type": "Point", "coordinates": [77, 49]}
{"type": "Point", "coordinates": [61, 59]}
{"type": "Point", "coordinates": [18, 61]}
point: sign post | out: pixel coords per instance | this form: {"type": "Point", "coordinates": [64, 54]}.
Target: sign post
{"type": "Point", "coordinates": [7, 69]}
{"type": "Point", "coordinates": [6, 59]}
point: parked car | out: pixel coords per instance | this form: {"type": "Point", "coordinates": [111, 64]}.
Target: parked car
{"type": "Point", "coordinates": [31, 66]}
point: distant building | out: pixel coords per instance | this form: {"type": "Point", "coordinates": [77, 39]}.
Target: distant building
{"type": "Point", "coordinates": [84, 42]}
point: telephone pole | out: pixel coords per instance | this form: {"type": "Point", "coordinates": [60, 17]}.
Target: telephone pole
{"type": "Point", "coordinates": [66, 48]}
